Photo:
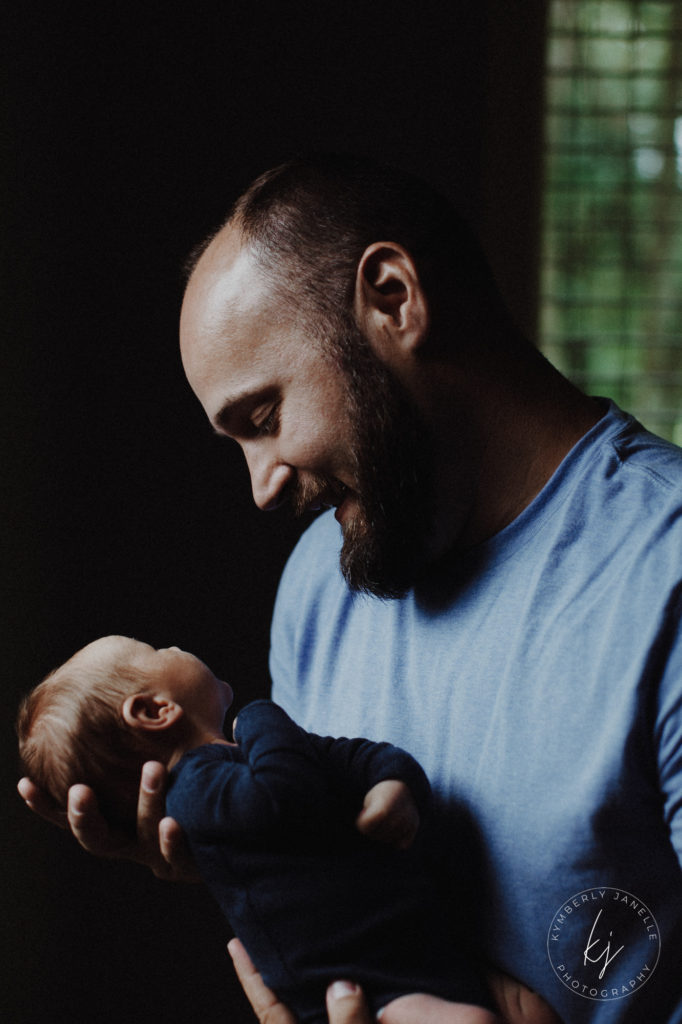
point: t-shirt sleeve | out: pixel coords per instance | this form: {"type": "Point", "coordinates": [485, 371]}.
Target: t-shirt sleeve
{"type": "Point", "coordinates": [668, 728]}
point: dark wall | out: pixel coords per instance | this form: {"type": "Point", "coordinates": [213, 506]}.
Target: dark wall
{"type": "Point", "coordinates": [126, 136]}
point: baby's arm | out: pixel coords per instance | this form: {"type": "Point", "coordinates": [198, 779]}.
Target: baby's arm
{"type": "Point", "coordinates": [279, 782]}
{"type": "Point", "coordinates": [386, 788]}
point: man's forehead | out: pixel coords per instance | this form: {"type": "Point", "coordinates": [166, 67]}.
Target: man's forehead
{"type": "Point", "coordinates": [224, 282]}
{"type": "Point", "coordinates": [229, 315]}
{"type": "Point", "coordinates": [220, 279]}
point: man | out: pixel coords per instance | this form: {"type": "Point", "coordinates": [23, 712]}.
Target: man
{"type": "Point", "coordinates": [506, 599]}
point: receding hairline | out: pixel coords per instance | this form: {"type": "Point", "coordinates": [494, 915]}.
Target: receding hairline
{"type": "Point", "coordinates": [229, 282]}
{"type": "Point", "coordinates": [232, 222]}
{"type": "Point", "coordinates": [308, 222]}
{"type": "Point", "coordinates": [216, 258]}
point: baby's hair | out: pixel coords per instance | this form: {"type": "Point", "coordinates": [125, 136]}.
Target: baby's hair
{"type": "Point", "coordinates": [71, 730]}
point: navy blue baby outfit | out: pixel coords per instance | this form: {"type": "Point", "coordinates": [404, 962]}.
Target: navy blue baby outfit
{"type": "Point", "coordinates": [270, 826]}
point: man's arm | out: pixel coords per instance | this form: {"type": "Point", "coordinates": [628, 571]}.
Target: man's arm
{"type": "Point", "coordinates": [667, 726]}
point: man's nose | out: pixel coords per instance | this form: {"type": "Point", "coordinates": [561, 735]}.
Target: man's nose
{"type": "Point", "coordinates": [269, 478]}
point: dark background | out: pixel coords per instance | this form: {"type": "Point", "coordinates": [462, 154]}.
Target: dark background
{"type": "Point", "coordinates": [125, 135]}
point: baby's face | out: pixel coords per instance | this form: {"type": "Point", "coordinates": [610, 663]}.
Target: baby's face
{"type": "Point", "coordinates": [171, 672]}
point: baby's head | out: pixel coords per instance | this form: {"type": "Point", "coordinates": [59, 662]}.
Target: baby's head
{"type": "Point", "coordinates": [114, 705]}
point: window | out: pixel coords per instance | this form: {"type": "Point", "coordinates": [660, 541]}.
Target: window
{"type": "Point", "coordinates": [611, 281]}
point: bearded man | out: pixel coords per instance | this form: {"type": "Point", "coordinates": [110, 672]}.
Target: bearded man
{"type": "Point", "coordinates": [496, 589]}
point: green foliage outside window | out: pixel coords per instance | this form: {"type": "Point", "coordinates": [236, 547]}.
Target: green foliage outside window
{"type": "Point", "coordinates": [611, 315]}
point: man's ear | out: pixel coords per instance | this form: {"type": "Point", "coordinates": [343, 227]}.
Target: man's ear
{"type": "Point", "coordinates": [150, 712]}
{"type": "Point", "coordinates": [390, 304]}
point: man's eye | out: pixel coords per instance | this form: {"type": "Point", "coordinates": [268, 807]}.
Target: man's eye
{"type": "Point", "coordinates": [266, 422]}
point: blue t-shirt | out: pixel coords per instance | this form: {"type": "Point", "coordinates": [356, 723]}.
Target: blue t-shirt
{"type": "Point", "coordinates": [539, 684]}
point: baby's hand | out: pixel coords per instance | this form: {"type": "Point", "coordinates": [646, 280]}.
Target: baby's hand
{"type": "Point", "coordinates": [389, 814]}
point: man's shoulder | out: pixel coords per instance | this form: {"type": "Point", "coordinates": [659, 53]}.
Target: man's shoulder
{"type": "Point", "coordinates": [624, 479]}
{"type": "Point", "coordinates": [638, 491]}
{"type": "Point", "coordinates": [641, 452]}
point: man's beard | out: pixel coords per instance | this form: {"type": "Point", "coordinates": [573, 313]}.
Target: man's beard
{"type": "Point", "coordinates": [385, 541]}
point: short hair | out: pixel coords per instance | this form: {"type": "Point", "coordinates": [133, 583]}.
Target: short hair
{"type": "Point", "coordinates": [71, 730]}
{"type": "Point", "coordinates": [308, 222]}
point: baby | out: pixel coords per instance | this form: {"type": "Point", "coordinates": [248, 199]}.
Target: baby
{"type": "Point", "coordinates": [309, 844]}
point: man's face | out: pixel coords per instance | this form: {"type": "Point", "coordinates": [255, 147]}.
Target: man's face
{"type": "Point", "coordinates": [320, 423]}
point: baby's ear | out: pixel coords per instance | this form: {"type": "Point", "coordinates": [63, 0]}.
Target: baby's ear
{"type": "Point", "coordinates": [150, 712]}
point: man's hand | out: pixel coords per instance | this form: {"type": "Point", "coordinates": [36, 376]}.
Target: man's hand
{"type": "Point", "coordinates": [159, 844]}
{"type": "Point", "coordinates": [389, 814]}
{"type": "Point", "coordinates": [518, 1004]}
{"type": "Point", "coordinates": [345, 1001]}
{"type": "Point", "coordinates": [41, 804]}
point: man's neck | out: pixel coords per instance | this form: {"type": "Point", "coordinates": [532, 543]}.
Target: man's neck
{"type": "Point", "coordinates": [532, 446]}
{"type": "Point", "coordinates": [517, 420]}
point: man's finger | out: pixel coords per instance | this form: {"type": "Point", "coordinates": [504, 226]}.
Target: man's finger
{"type": "Point", "coordinates": [37, 800]}
{"type": "Point", "coordinates": [151, 808]}
{"type": "Point", "coordinates": [264, 1003]}
{"type": "Point", "coordinates": [346, 1004]}
{"type": "Point", "coordinates": [87, 824]}
{"type": "Point", "coordinates": [175, 852]}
